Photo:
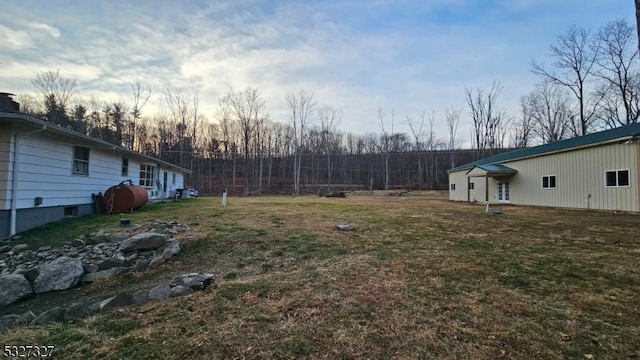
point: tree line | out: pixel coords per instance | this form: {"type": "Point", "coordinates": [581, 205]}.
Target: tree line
{"type": "Point", "coordinates": [591, 83]}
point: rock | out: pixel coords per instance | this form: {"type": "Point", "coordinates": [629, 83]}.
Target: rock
{"type": "Point", "coordinates": [59, 274]}
{"type": "Point", "coordinates": [118, 237]}
{"type": "Point", "coordinates": [52, 315]}
{"type": "Point", "coordinates": [111, 263]}
{"type": "Point", "coordinates": [140, 297]}
{"type": "Point", "coordinates": [31, 273]}
{"type": "Point", "coordinates": [44, 248]}
{"type": "Point", "coordinates": [81, 310]}
{"type": "Point", "coordinates": [181, 290]}
{"type": "Point", "coordinates": [131, 258]}
{"type": "Point", "coordinates": [8, 321]}
{"type": "Point", "coordinates": [78, 243]}
{"type": "Point", "coordinates": [160, 292]}
{"type": "Point", "coordinates": [90, 268]}
{"type": "Point", "coordinates": [344, 227]}
{"type": "Point", "coordinates": [104, 274]}
{"type": "Point", "coordinates": [26, 318]}
{"type": "Point", "coordinates": [167, 254]}
{"type": "Point", "coordinates": [100, 237]}
{"type": "Point", "coordinates": [173, 246]}
{"type": "Point", "coordinates": [144, 241]}
{"type": "Point", "coordinates": [140, 265]}
{"type": "Point", "coordinates": [119, 300]}
{"type": "Point", "coordinates": [156, 260]}
{"type": "Point", "coordinates": [19, 248]}
{"type": "Point", "coordinates": [196, 281]}
{"type": "Point", "coordinates": [13, 287]}
{"type": "Point", "coordinates": [5, 248]}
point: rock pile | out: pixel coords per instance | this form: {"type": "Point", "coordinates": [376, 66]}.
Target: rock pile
{"type": "Point", "coordinates": [181, 285]}
{"type": "Point", "coordinates": [101, 257]}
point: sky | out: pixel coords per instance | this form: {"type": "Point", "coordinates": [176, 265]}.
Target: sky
{"type": "Point", "coordinates": [405, 56]}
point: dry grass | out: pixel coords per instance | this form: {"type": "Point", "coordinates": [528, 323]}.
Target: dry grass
{"type": "Point", "coordinates": [419, 277]}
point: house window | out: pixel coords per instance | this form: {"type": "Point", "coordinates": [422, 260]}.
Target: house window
{"type": "Point", "coordinates": [616, 178]}
{"type": "Point", "coordinates": [173, 179]}
{"type": "Point", "coordinates": [472, 186]}
{"type": "Point", "coordinates": [125, 166]}
{"type": "Point", "coordinates": [147, 175]}
{"type": "Point", "coordinates": [549, 182]}
{"type": "Point", "coordinates": [80, 160]}
{"type": "Point", "coordinates": [453, 187]}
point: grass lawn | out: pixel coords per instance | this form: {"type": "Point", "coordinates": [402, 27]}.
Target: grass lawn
{"type": "Point", "coordinates": [419, 277]}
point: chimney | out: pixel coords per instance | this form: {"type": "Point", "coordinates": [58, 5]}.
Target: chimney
{"type": "Point", "coordinates": [7, 104]}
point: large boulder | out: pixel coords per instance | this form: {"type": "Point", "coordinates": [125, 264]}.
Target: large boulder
{"type": "Point", "coordinates": [144, 241]}
{"type": "Point", "coordinates": [104, 274]}
{"type": "Point", "coordinates": [196, 281]}
{"type": "Point", "coordinates": [59, 274]}
{"type": "Point", "coordinates": [81, 310]}
{"type": "Point", "coordinates": [111, 263]}
{"type": "Point", "coordinates": [119, 300]}
{"type": "Point", "coordinates": [160, 292]}
{"type": "Point", "coordinates": [13, 287]}
{"type": "Point", "coordinates": [140, 297]}
{"type": "Point", "coordinates": [55, 314]}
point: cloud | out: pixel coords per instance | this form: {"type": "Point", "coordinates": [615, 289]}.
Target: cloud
{"type": "Point", "coordinates": [407, 55]}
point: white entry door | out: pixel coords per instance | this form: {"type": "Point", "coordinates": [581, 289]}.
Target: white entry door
{"type": "Point", "coordinates": [503, 192]}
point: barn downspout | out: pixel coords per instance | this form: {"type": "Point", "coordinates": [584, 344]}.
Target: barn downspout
{"type": "Point", "coordinates": [14, 176]}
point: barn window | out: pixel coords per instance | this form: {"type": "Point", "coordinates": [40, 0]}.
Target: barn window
{"type": "Point", "coordinates": [616, 178]}
{"type": "Point", "coordinates": [125, 166]}
{"type": "Point", "coordinates": [549, 182]}
{"type": "Point", "coordinates": [472, 186]}
{"type": "Point", "coordinates": [173, 179]}
{"type": "Point", "coordinates": [453, 186]}
{"type": "Point", "coordinates": [80, 160]}
{"type": "Point", "coordinates": [147, 175]}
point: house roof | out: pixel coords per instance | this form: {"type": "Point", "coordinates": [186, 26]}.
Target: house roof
{"type": "Point", "coordinates": [30, 121]}
{"type": "Point", "coordinates": [494, 169]}
{"type": "Point", "coordinates": [622, 133]}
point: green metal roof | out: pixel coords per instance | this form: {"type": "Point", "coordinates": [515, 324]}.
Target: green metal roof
{"type": "Point", "coordinates": [495, 168]}
{"type": "Point", "coordinates": [622, 133]}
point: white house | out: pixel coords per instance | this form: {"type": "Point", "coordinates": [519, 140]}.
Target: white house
{"type": "Point", "coordinates": [595, 171]}
{"type": "Point", "coordinates": [48, 172]}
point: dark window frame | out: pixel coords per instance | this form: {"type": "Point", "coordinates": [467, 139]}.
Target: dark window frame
{"type": "Point", "coordinates": [549, 182]}
{"type": "Point", "coordinates": [617, 178]}
{"type": "Point", "coordinates": [125, 166]}
{"type": "Point", "coordinates": [80, 164]}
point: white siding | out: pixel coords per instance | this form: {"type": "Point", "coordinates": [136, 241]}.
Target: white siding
{"type": "Point", "coordinates": [5, 166]}
{"type": "Point", "coordinates": [45, 170]}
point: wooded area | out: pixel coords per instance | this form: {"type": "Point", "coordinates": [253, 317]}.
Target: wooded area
{"type": "Point", "coordinates": [591, 83]}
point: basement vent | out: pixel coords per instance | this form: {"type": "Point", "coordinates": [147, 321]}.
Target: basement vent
{"type": "Point", "coordinates": [70, 211]}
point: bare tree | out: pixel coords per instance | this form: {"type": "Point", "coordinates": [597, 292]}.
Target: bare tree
{"type": "Point", "coordinates": [549, 107]}
{"type": "Point", "coordinates": [180, 110]}
{"type": "Point", "coordinates": [386, 142]}
{"type": "Point", "coordinates": [489, 122]}
{"type": "Point", "coordinates": [140, 98]}
{"type": "Point", "coordinates": [522, 131]}
{"type": "Point", "coordinates": [29, 104]}
{"type": "Point", "coordinates": [638, 21]}
{"type": "Point", "coordinates": [247, 106]}
{"type": "Point", "coordinates": [618, 70]}
{"type": "Point", "coordinates": [452, 116]}
{"type": "Point", "coordinates": [302, 105]}
{"type": "Point", "coordinates": [575, 55]}
{"type": "Point", "coordinates": [50, 83]}
{"type": "Point", "coordinates": [330, 118]}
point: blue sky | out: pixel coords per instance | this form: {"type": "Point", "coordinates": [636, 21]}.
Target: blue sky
{"type": "Point", "coordinates": [407, 55]}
